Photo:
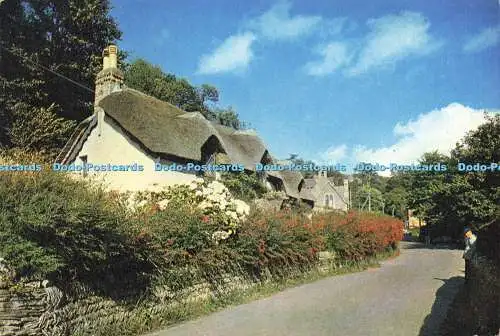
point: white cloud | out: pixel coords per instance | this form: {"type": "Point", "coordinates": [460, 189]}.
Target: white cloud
{"type": "Point", "coordinates": [334, 56]}
{"type": "Point", "coordinates": [234, 54]}
{"type": "Point", "coordinates": [335, 153]}
{"type": "Point", "coordinates": [278, 24]}
{"type": "Point", "coordinates": [487, 38]}
{"type": "Point", "coordinates": [392, 38]}
{"type": "Point", "coordinates": [335, 26]}
{"type": "Point", "coordinates": [438, 130]}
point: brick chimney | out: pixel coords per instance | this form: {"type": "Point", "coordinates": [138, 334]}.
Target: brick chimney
{"type": "Point", "coordinates": [108, 80]}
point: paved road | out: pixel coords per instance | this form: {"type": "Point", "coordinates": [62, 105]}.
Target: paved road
{"type": "Point", "coordinates": [407, 296]}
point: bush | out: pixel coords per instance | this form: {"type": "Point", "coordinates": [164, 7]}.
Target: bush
{"type": "Point", "coordinates": [66, 230]}
{"type": "Point", "coordinates": [355, 236]}
{"type": "Point", "coordinates": [277, 239]}
{"type": "Point", "coordinates": [243, 185]}
{"type": "Point", "coordinates": [487, 242]}
{"type": "Point", "coordinates": [57, 228]}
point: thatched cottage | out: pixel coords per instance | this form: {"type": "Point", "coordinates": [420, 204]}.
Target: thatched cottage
{"type": "Point", "coordinates": [138, 132]}
{"type": "Point", "coordinates": [135, 133]}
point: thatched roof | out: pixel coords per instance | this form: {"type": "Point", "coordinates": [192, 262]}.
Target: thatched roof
{"type": "Point", "coordinates": [306, 194]}
{"type": "Point", "coordinates": [309, 183]}
{"type": "Point", "coordinates": [243, 147]}
{"type": "Point", "coordinates": [291, 181]}
{"type": "Point", "coordinates": [307, 189]}
{"type": "Point", "coordinates": [166, 129]}
{"type": "Point", "coordinates": [162, 128]}
{"type": "Point", "coordinates": [78, 137]}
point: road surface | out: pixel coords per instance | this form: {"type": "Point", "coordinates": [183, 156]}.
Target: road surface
{"type": "Point", "coordinates": [408, 295]}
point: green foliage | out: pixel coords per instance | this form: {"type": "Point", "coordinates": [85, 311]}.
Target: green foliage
{"type": "Point", "coordinates": [450, 200]}
{"type": "Point", "coordinates": [369, 198]}
{"type": "Point", "coordinates": [174, 235]}
{"type": "Point", "coordinates": [482, 145]}
{"type": "Point", "coordinates": [424, 184]}
{"type": "Point", "coordinates": [151, 80]}
{"type": "Point", "coordinates": [275, 240]}
{"type": "Point", "coordinates": [488, 238]}
{"type": "Point", "coordinates": [396, 195]}
{"type": "Point", "coordinates": [244, 186]}
{"type": "Point", "coordinates": [38, 129]}
{"type": "Point", "coordinates": [368, 183]}
{"type": "Point", "coordinates": [63, 36]}
{"type": "Point", "coordinates": [227, 117]}
{"type": "Point", "coordinates": [58, 228]}
{"type": "Point", "coordinates": [396, 201]}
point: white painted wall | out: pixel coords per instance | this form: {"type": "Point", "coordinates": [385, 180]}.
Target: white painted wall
{"type": "Point", "coordinates": [114, 147]}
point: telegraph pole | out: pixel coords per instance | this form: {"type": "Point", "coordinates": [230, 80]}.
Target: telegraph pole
{"type": "Point", "coordinates": [369, 195]}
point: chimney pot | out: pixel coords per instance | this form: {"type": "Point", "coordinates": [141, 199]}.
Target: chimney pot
{"type": "Point", "coordinates": [113, 56]}
{"type": "Point", "coordinates": [105, 58]}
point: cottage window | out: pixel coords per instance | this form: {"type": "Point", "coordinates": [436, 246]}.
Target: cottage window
{"type": "Point", "coordinates": [327, 201]}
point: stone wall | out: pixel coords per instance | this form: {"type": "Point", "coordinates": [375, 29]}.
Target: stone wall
{"type": "Point", "coordinates": [19, 312]}
{"type": "Point", "coordinates": [50, 312]}
{"type": "Point", "coordinates": [483, 293]}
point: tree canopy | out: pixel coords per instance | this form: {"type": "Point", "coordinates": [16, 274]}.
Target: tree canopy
{"type": "Point", "coordinates": [150, 79]}
{"type": "Point", "coordinates": [49, 55]}
{"type": "Point", "coordinates": [450, 200]}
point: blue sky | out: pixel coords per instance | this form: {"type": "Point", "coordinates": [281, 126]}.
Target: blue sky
{"type": "Point", "coordinates": [333, 81]}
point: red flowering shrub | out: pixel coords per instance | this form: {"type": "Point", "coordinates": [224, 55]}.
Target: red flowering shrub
{"type": "Point", "coordinates": [356, 235]}
{"type": "Point", "coordinates": [278, 239]}
{"type": "Point", "coordinates": [287, 238]}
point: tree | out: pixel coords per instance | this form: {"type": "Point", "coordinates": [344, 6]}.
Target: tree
{"type": "Point", "coordinates": [49, 56]}
{"type": "Point", "coordinates": [367, 183]}
{"type": "Point", "coordinates": [244, 186]}
{"type": "Point", "coordinates": [482, 146]}
{"type": "Point", "coordinates": [63, 36]}
{"type": "Point", "coordinates": [450, 200]}
{"type": "Point", "coordinates": [299, 161]}
{"type": "Point", "coordinates": [369, 198]}
{"type": "Point", "coordinates": [46, 133]}
{"type": "Point", "coordinates": [208, 94]}
{"type": "Point", "coordinates": [336, 176]}
{"type": "Point", "coordinates": [151, 79]}
{"type": "Point", "coordinates": [396, 194]}
{"type": "Point", "coordinates": [424, 184]}
{"type": "Point", "coordinates": [227, 117]}
{"type": "Point", "coordinates": [396, 201]}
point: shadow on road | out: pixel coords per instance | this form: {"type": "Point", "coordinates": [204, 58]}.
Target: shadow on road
{"type": "Point", "coordinates": [406, 245]}
{"type": "Point", "coordinates": [444, 298]}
